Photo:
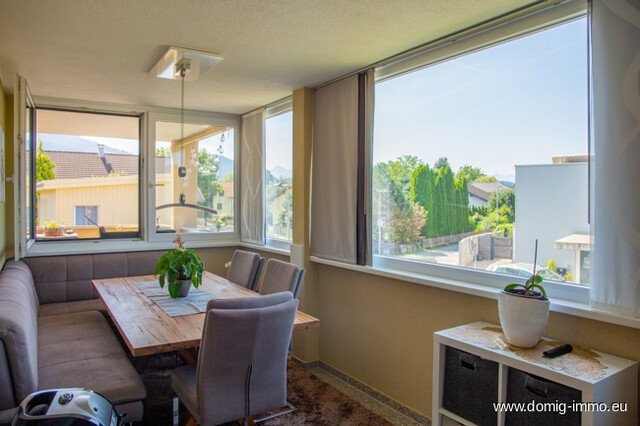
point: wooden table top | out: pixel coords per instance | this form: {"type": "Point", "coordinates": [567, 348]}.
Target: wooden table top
{"type": "Point", "coordinates": [145, 327]}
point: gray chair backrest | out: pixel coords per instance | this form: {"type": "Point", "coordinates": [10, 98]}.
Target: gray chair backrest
{"type": "Point", "coordinates": [281, 276]}
{"type": "Point", "coordinates": [245, 268]}
{"type": "Point", "coordinates": [242, 364]}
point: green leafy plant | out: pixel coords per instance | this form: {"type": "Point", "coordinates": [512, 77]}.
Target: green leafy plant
{"type": "Point", "coordinates": [531, 287]}
{"type": "Point", "coordinates": [179, 264]}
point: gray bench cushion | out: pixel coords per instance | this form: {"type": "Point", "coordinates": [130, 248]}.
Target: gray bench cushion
{"type": "Point", "coordinates": [80, 350]}
{"type": "Point", "coordinates": [63, 308]}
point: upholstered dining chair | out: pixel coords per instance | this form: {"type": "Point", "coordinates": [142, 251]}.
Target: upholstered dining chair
{"type": "Point", "coordinates": [281, 276]}
{"type": "Point", "coordinates": [242, 365]}
{"type": "Point", "coordinates": [245, 268]}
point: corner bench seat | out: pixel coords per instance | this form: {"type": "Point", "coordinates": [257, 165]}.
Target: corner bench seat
{"type": "Point", "coordinates": [52, 336]}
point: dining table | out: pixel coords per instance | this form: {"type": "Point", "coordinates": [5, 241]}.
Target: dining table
{"type": "Point", "coordinates": [150, 322]}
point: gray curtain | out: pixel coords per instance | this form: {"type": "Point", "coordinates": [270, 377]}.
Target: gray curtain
{"type": "Point", "coordinates": [615, 257]}
{"type": "Point", "coordinates": [334, 171]}
{"type": "Point", "coordinates": [252, 177]}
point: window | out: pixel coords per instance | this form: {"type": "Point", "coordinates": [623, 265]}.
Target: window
{"type": "Point", "coordinates": [85, 162]}
{"type": "Point", "coordinates": [476, 157]}
{"type": "Point", "coordinates": [86, 215]}
{"type": "Point", "coordinates": [194, 177]}
{"type": "Point", "coordinates": [278, 176]}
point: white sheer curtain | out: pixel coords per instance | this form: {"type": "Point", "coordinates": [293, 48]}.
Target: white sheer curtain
{"type": "Point", "coordinates": [616, 131]}
{"type": "Point", "coordinates": [334, 171]}
{"type": "Point", "coordinates": [252, 177]}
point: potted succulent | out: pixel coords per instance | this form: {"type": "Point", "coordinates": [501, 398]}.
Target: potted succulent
{"type": "Point", "coordinates": [180, 268]}
{"type": "Point", "coordinates": [524, 310]}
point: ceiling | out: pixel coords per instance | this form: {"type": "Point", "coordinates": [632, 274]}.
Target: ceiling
{"type": "Point", "coordinates": [102, 50]}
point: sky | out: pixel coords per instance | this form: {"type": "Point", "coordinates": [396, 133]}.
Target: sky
{"type": "Point", "coordinates": [279, 141]}
{"type": "Point", "coordinates": [516, 103]}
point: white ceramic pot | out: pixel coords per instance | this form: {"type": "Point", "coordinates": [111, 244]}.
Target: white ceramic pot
{"type": "Point", "coordinates": [523, 319]}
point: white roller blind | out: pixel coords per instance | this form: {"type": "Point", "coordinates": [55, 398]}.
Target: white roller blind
{"type": "Point", "coordinates": [252, 177]}
{"type": "Point", "coordinates": [334, 171]}
{"type": "Point", "coordinates": [616, 115]}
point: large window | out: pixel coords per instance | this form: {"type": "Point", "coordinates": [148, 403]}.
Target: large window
{"type": "Point", "coordinates": [476, 157]}
{"type": "Point", "coordinates": [278, 176]}
{"type": "Point", "coordinates": [85, 163]}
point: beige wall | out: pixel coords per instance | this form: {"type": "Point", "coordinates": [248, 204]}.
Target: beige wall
{"type": "Point", "coordinates": [379, 330]}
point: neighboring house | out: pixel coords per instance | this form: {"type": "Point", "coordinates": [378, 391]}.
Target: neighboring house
{"type": "Point", "coordinates": [563, 213]}
{"type": "Point", "coordinates": [224, 203]}
{"type": "Point", "coordinates": [480, 192]}
{"type": "Point", "coordinates": [93, 185]}
{"type": "Point", "coordinates": [275, 205]}
{"type": "Point", "coordinates": [98, 187]}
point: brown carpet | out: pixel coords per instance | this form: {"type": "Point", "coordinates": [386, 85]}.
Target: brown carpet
{"type": "Point", "coordinates": [317, 402]}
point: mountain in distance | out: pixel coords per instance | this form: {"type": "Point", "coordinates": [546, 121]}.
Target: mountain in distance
{"type": "Point", "coordinates": [68, 143]}
{"type": "Point", "coordinates": [281, 172]}
{"type": "Point", "coordinates": [225, 166]}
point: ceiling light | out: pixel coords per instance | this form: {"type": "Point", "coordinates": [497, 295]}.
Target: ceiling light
{"type": "Point", "coordinates": [200, 62]}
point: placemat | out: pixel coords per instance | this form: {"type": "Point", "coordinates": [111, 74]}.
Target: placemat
{"type": "Point", "coordinates": [194, 303]}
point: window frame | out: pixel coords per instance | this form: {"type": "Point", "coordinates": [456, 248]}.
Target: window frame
{"type": "Point", "coordinates": [146, 241]}
{"type": "Point", "coordinates": [476, 282]}
{"type": "Point", "coordinates": [196, 239]}
{"type": "Point", "coordinates": [281, 107]}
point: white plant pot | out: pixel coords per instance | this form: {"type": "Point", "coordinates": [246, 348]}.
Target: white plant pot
{"type": "Point", "coordinates": [523, 319]}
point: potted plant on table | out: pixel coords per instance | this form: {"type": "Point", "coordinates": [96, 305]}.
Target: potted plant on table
{"type": "Point", "coordinates": [524, 310]}
{"type": "Point", "coordinates": [180, 267]}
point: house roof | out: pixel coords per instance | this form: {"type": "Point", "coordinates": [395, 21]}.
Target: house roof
{"type": "Point", "coordinates": [484, 190]}
{"type": "Point", "coordinates": [78, 165]}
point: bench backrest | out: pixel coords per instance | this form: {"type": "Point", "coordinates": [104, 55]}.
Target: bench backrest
{"type": "Point", "coordinates": [18, 334]}
{"type": "Point", "coordinates": [68, 278]}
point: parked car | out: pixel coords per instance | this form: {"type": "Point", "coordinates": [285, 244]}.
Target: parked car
{"type": "Point", "coordinates": [525, 270]}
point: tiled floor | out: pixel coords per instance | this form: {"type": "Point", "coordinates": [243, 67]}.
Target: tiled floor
{"type": "Point", "coordinates": [368, 401]}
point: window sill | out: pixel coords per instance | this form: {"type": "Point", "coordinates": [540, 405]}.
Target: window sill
{"type": "Point", "coordinates": [268, 248]}
{"type": "Point", "coordinates": [577, 309]}
{"type": "Point", "coordinates": [53, 248]}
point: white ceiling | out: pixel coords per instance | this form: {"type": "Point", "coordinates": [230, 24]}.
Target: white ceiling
{"type": "Point", "coordinates": [102, 50]}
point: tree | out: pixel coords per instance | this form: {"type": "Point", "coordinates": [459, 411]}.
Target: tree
{"type": "Point", "coordinates": [469, 173]}
{"type": "Point", "coordinates": [505, 198]}
{"type": "Point", "coordinates": [208, 176]}
{"type": "Point", "coordinates": [163, 152]}
{"type": "Point", "coordinates": [441, 163]}
{"type": "Point", "coordinates": [44, 166]}
{"type": "Point", "coordinates": [408, 224]}
{"type": "Point", "coordinates": [487, 179]}
{"type": "Point", "coordinates": [422, 193]}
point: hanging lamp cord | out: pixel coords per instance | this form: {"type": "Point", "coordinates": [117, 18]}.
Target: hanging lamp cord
{"type": "Point", "coordinates": [182, 74]}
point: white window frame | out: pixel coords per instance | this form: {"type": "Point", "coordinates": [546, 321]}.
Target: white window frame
{"type": "Point", "coordinates": [283, 106]}
{"type": "Point", "coordinates": [564, 297]}
{"type": "Point", "coordinates": [195, 239]}
{"type": "Point", "coordinates": [75, 216]}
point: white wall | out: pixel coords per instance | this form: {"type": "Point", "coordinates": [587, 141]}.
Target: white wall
{"type": "Point", "coordinates": [551, 203]}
